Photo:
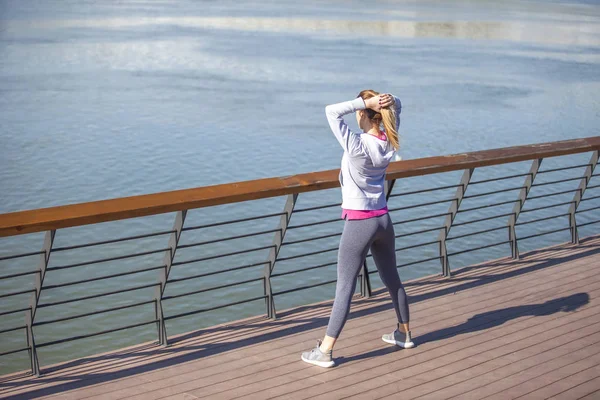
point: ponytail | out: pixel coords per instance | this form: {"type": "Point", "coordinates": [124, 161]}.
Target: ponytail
{"type": "Point", "coordinates": [389, 125]}
{"type": "Point", "coordinates": [386, 116]}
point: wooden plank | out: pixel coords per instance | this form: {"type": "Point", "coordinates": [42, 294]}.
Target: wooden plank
{"type": "Point", "coordinates": [548, 373]}
{"type": "Point", "coordinates": [565, 384]}
{"type": "Point", "coordinates": [579, 390]}
{"type": "Point", "coordinates": [45, 219]}
{"type": "Point", "coordinates": [497, 386]}
{"type": "Point", "coordinates": [592, 396]}
{"type": "Point", "coordinates": [466, 383]}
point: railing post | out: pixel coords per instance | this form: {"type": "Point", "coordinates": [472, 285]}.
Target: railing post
{"type": "Point", "coordinates": [274, 252]}
{"type": "Point", "coordinates": [33, 358]}
{"type": "Point", "coordinates": [589, 171]}
{"type": "Point", "coordinates": [523, 193]}
{"type": "Point", "coordinates": [35, 298]}
{"type": "Point", "coordinates": [452, 210]}
{"type": "Point", "coordinates": [388, 187]}
{"type": "Point", "coordinates": [164, 276]}
{"type": "Point", "coordinates": [365, 282]}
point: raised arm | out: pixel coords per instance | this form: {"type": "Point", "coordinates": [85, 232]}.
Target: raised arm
{"type": "Point", "coordinates": [385, 100]}
{"type": "Point", "coordinates": [398, 110]}
{"type": "Point", "coordinates": [349, 141]}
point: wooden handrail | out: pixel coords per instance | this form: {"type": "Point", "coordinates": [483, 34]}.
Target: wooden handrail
{"type": "Point", "coordinates": [44, 219]}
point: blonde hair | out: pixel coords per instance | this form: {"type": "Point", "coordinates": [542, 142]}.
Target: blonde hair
{"type": "Point", "coordinates": [386, 116]}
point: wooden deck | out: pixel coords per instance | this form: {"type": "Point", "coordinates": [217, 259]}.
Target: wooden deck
{"type": "Point", "coordinates": [503, 329]}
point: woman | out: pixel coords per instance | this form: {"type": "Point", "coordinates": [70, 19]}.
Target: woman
{"type": "Point", "coordinates": [368, 224]}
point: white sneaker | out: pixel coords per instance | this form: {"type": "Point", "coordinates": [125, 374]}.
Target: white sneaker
{"type": "Point", "coordinates": [399, 339]}
{"type": "Point", "coordinates": [317, 357]}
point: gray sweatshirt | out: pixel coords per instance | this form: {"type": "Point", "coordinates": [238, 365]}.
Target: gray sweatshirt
{"type": "Point", "coordinates": [365, 158]}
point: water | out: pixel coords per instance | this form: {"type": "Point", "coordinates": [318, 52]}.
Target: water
{"type": "Point", "coordinates": [111, 99]}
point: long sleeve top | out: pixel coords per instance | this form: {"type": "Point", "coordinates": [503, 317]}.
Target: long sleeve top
{"type": "Point", "coordinates": [365, 159]}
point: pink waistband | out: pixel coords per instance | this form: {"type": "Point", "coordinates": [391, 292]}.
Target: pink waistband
{"type": "Point", "coordinates": [363, 214]}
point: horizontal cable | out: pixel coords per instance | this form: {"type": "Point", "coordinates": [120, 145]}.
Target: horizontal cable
{"type": "Point", "coordinates": [299, 210]}
{"type": "Point", "coordinates": [19, 274]}
{"type": "Point", "coordinates": [96, 333]}
{"type": "Point", "coordinates": [486, 206]}
{"type": "Point", "coordinates": [559, 181]}
{"type": "Point", "coordinates": [99, 278]}
{"type": "Point", "coordinates": [498, 179]}
{"type": "Point", "coordinates": [102, 260]}
{"type": "Point", "coordinates": [423, 204]}
{"type": "Point", "coordinates": [417, 262]}
{"type": "Point", "coordinates": [14, 311]}
{"type": "Point", "coordinates": [477, 248]}
{"type": "Point", "coordinates": [425, 190]}
{"type": "Point", "coordinates": [94, 313]}
{"type": "Point", "coordinates": [234, 221]}
{"type": "Point", "coordinates": [223, 255]}
{"type": "Point", "coordinates": [422, 218]}
{"type": "Point", "coordinates": [417, 245]}
{"type": "Point", "coordinates": [483, 219]}
{"type": "Point", "coordinates": [545, 207]}
{"type": "Point", "coordinates": [175, 296]}
{"type": "Point", "coordinates": [94, 296]}
{"type": "Point", "coordinates": [123, 239]}
{"type": "Point", "coordinates": [14, 351]}
{"type": "Point", "coordinates": [551, 194]}
{"type": "Point", "coordinates": [544, 233]}
{"type": "Point", "coordinates": [476, 233]}
{"type": "Point", "coordinates": [419, 232]}
{"type": "Point", "coordinates": [540, 219]}
{"type": "Point", "coordinates": [304, 287]}
{"type": "Point", "coordinates": [16, 293]}
{"type": "Point", "coordinates": [185, 314]}
{"type": "Point", "coordinates": [13, 329]}
{"type": "Point", "coordinates": [586, 209]}
{"type": "Point", "coordinates": [311, 239]}
{"type": "Point", "coordinates": [221, 271]}
{"type": "Point", "coordinates": [588, 223]}
{"type": "Point", "coordinates": [411, 263]}
{"type": "Point", "coordinates": [590, 198]}
{"type": "Point", "coordinates": [308, 254]}
{"type": "Point", "coordinates": [185, 246]}
{"type": "Point", "coordinates": [36, 253]}
{"type": "Point", "coordinates": [593, 186]}
{"type": "Point", "coordinates": [328, 221]}
{"type": "Point", "coordinates": [564, 168]}
{"type": "Point", "coordinates": [303, 269]}
{"type": "Point", "coordinates": [494, 192]}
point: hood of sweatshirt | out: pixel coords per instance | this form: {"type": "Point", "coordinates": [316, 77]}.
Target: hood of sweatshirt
{"type": "Point", "coordinates": [381, 152]}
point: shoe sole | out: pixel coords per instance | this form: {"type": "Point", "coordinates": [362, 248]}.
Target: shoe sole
{"type": "Point", "coordinates": [404, 345]}
{"type": "Point", "coordinates": [324, 364]}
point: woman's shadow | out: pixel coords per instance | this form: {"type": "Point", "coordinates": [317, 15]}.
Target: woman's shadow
{"type": "Point", "coordinates": [490, 319]}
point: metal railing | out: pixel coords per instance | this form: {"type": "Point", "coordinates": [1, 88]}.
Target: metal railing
{"type": "Point", "coordinates": [456, 216]}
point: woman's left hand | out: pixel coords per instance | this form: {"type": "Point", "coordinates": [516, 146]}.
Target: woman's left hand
{"type": "Point", "coordinates": [376, 103]}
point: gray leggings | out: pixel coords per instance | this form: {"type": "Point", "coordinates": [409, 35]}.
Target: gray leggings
{"type": "Point", "coordinates": [358, 236]}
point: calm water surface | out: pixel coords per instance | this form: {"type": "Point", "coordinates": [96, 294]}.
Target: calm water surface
{"type": "Point", "coordinates": [109, 99]}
